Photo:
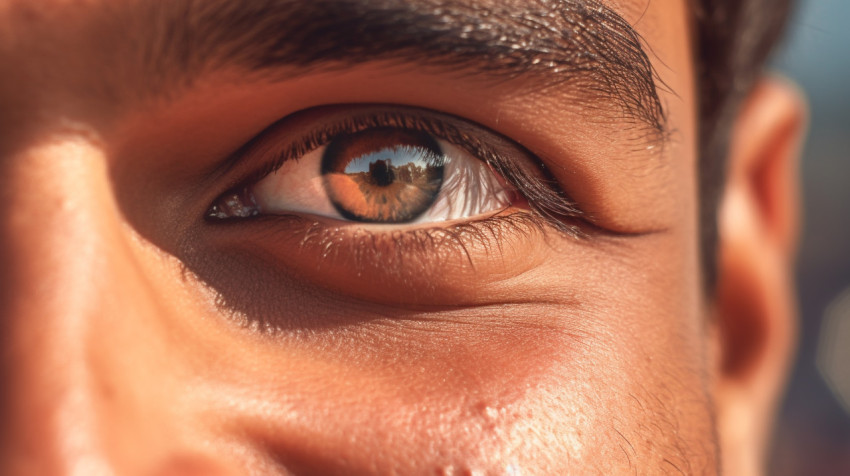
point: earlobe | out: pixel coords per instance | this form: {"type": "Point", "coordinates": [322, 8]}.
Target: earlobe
{"type": "Point", "coordinates": [755, 302]}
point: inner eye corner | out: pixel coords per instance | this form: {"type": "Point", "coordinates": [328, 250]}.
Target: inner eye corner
{"type": "Point", "coordinates": [238, 202]}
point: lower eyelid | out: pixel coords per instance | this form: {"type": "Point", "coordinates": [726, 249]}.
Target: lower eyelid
{"type": "Point", "coordinates": [378, 264]}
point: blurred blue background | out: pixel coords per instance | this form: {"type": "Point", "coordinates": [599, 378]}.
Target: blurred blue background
{"type": "Point", "coordinates": [813, 436]}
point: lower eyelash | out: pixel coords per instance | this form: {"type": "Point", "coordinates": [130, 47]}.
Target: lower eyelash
{"type": "Point", "coordinates": [413, 249]}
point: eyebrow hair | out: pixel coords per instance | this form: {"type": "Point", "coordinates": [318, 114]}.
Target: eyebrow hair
{"type": "Point", "coordinates": [556, 41]}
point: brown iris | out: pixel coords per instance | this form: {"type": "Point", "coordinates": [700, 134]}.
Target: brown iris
{"type": "Point", "coordinates": [383, 175]}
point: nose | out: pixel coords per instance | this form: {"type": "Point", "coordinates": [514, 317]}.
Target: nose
{"type": "Point", "coordinates": [78, 347]}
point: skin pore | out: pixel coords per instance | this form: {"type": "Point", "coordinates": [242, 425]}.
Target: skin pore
{"type": "Point", "coordinates": [142, 337]}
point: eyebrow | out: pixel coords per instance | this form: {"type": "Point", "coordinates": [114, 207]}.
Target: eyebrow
{"type": "Point", "coordinates": [578, 42]}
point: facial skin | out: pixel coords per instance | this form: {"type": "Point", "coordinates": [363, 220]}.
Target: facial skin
{"type": "Point", "coordinates": [142, 337]}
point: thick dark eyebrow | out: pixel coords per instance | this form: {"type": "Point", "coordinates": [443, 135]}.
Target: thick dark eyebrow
{"type": "Point", "coordinates": [580, 42]}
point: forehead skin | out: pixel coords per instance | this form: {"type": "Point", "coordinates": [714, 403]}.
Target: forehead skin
{"type": "Point", "coordinates": [565, 357]}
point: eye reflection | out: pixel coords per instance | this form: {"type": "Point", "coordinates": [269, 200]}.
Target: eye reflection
{"type": "Point", "coordinates": [383, 175]}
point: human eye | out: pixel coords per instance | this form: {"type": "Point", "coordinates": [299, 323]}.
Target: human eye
{"type": "Point", "coordinates": [386, 205]}
{"type": "Point", "coordinates": [391, 166]}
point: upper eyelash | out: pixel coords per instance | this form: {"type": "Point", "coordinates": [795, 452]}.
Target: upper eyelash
{"type": "Point", "coordinates": [545, 196]}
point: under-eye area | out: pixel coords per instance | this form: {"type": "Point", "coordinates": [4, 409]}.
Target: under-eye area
{"type": "Point", "coordinates": [267, 268]}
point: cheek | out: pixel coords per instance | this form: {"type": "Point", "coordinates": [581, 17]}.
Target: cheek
{"type": "Point", "coordinates": [608, 373]}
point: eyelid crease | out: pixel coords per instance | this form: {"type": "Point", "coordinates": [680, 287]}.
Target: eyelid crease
{"type": "Point", "coordinates": [545, 196]}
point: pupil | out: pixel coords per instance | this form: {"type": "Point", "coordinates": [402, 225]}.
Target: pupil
{"type": "Point", "coordinates": [381, 172]}
{"type": "Point", "coordinates": [383, 175]}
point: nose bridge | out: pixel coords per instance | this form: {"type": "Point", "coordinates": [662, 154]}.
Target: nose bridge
{"type": "Point", "coordinates": [60, 243]}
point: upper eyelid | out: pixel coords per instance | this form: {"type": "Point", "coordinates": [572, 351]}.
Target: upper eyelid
{"type": "Point", "coordinates": [356, 117]}
{"type": "Point", "coordinates": [405, 120]}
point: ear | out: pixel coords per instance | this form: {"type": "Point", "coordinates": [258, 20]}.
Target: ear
{"type": "Point", "coordinates": [758, 223]}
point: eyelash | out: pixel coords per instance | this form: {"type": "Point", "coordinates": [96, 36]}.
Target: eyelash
{"type": "Point", "coordinates": [549, 205]}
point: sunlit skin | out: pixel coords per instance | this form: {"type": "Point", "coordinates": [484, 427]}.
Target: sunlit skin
{"type": "Point", "coordinates": [140, 338]}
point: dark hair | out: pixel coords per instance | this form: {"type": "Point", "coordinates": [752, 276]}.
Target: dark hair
{"type": "Point", "coordinates": [732, 43]}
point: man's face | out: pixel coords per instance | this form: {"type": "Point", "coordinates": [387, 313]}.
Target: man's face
{"type": "Point", "coordinates": [413, 237]}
